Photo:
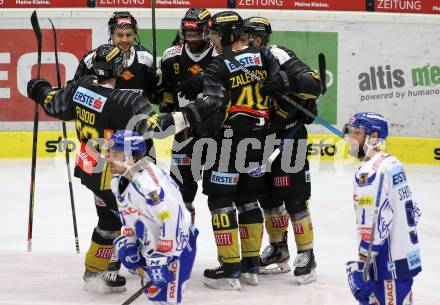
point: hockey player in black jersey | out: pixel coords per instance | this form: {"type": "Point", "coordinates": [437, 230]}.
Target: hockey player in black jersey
{"type": "Point", "coordinates": [287, 194]}
{"type": "Point", "coordinates": [139, 73]}
{"type": "Point", "coordinates": [233, 183]}
{"type": "Point", "coordinates": [182, 67]}
{"type": "Point", "coordinates": [98, 110]}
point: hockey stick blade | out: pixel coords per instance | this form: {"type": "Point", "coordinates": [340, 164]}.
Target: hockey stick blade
{"type": "Point", "coordinates": [137, 293]}
{"type": "Point", "coordinates": [39, 36]}
{"type": "Point", "coordinates": [57, 65]}
{"type": "Point", "coordinates": [322, 73]}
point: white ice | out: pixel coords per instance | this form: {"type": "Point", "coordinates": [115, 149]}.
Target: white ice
{"type": "Point", "coordinates": [52, 273]}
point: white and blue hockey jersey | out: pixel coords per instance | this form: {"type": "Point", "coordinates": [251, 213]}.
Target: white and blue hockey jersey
{"type": "Point", "coordinates": [395, 251]}
{"type": "Point", "coordinates": [152, 210]}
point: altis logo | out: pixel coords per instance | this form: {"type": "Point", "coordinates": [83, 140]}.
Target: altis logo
{"type": "Point", "coordinates": [385, 77]}
{"type": "Point", "coordinates": [247, 60]}
{"type": "Point", "coordinates": [89, 99]}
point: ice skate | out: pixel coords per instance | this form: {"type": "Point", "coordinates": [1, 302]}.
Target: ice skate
{"type": "Point", "coordinates": [104, 281]}
{"type": "Point", "coordinates": [226, 277]}
{"type": "Point", "coordinates": [275, 259]}
{"type": "Point", "coordinates": [305, 265]}
{"type": "Point", "coordinates": [249, 270]}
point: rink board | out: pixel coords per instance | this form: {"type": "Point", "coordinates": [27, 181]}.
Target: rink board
{"type": "Point", "coordinates": [18, 145]}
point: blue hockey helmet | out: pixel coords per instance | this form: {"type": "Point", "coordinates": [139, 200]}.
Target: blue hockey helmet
{"type": "Point", "coordinates": [129, 142]}
{"type": "Point", "coordinates": [370, 122]}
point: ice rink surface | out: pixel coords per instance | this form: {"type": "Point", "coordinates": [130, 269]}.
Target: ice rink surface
{"type": "Point", "coordinates": [52, 273]}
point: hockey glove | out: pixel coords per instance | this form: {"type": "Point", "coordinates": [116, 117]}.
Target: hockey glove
{"type": "Point", "coordinates": [311, 106]}
{"type": "Point", "coordinates": [167, 103]}
{"type": "Point", "coordinates": [37, 89]}
{"type": "Point", "coordinates": [128, 252]}
{"type": "Point", "coordinates": [157, 269]}
{"type": "Point", "coordinates": [203, 109]}
{"type": "Point", "coordinates": [360, 288]}
{"type": "Point", "coordinates": [191, 86]}
{"type": "Point", "coordinates": [277, 85]}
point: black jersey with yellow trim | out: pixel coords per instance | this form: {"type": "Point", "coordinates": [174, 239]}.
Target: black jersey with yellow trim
{"type": "Point", "coordinates": [238, 88]}
{"type": "Point", "coordinates": [306, 87]}
{"type": "Point", "coordinates": [98, 111]}
{"type": "Point", "coordinates": [139, 75]}
{"type": "Point", "coordinates": [178, 63]}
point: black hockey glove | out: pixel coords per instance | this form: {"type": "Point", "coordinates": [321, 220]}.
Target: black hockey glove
{"type": "Point", "coordinates": [277, 85]}
{"type": "Point", "coordinates": [311, 106]}
{"type": "Point", "coordinates": [37, 89]}
{"type": "Point", "coordinates": [190, 87]}
{"type": "Point", "coordinates": [203, 109]}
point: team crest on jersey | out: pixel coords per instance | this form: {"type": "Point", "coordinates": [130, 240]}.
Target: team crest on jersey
{"type": "Point", "coordinates": [195, 69]}
{"type": "Point", "coordinates": [364, 179]}
{"type": "Point", "coordinates": [155, 197]}
{"type": "Point", "coordinates": [89, 99]}
{"type": "Point", "coordinates": [247, 60]}
{"type": "Point", "coordinates": [127, 75]}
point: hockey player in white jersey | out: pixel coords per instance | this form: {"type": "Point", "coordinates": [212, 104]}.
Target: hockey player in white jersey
{"type": "Point", "coordinates": [386, 217]}
{"type": "Point", "coordinates": [157, 234]}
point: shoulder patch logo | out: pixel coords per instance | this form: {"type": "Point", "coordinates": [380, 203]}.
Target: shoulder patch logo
{"type": "Point", "coordinates": [171, 52]}
{"type": "Point", "coordinates": [89, 99]}
{"type": "Point", "coordinates": [247, 60]}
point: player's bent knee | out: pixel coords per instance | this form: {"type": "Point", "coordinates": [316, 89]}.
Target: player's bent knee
{"type": "Point", "coordinates": [219, 202]}
{"type": "Point", "coordinates": [249, 213]}
{"type": "Point", "coordinates": [297, 208]}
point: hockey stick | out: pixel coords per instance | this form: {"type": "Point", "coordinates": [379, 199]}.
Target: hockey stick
{"type": "Point", "coordinates": [230, 56]}
{"type": "Point", "coordinates": [153, 32]}
{"type": "Point", "coordinates": [69, 176]}
{"type": "Point", "coordinates": [38, 36]}
{"type": "Point", "coordinates": [292, 132]}
{"type": "Point", "coordinates": [138, 292]}
{"type": "Point", "coordinates": [373, 227]}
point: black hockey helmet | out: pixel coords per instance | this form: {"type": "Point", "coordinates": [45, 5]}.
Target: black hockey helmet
{"type": "Point", "coordinates": [195, 19]}
{"type": "Point", "coordinates": [108, 61]}
{"type": "Point", "coordinates": [122, 20]}
{"type": "Point", "coordinates": [227, 23]}
{"type": "Point", "coordinates": [257, 25]}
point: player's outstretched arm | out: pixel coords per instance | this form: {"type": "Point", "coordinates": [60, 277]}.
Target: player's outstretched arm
{"type": "Point", "coordinates": [54, 101]}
